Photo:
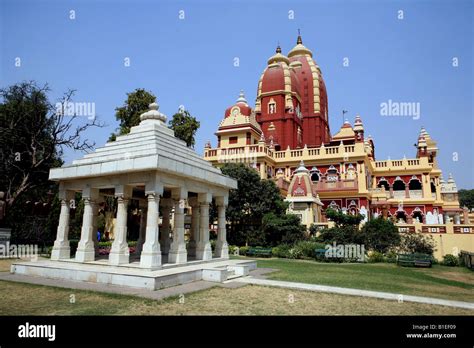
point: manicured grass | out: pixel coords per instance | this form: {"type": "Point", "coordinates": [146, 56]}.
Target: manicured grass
{"type": "Point", "coordinates": [455, 283]}
{"type": "Point", "coordinates": [27, 299]}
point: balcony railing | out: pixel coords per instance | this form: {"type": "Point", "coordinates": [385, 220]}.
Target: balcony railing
{"type": "Point", "coordinates": [341, 185]}
{"type": "Point", "coordinates": [400, 164]}
{"type": "Point", "coordinates": [415, 194]}
{"type": "Point", "coordinates": [433, 229]}
{"type": "Point", "coordinates": [463, 229]}
{"type": "Point", "coordinates": [406, 228]}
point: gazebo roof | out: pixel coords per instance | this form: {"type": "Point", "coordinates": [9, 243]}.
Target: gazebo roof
{"type": "Point", "coordinates": [150, 146]}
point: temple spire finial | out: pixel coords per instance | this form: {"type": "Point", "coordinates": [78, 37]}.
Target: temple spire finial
{"type": "Point", "coordinates": [299, 41]}
{"type": "Point", "coordinates": [278, 49]}
{"type": "Point", "coordinates": [241, 98]}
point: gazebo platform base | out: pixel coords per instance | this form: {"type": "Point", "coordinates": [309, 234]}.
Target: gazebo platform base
{"type": "Point", "coordinates": [131, 275]}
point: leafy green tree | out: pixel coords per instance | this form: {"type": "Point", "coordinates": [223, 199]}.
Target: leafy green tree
{"type": "Point", "coordinates": [249, 203]}
{"type": "Point", "coordinates": [466, 198]}
{"type": "Point", "coordinates": [345, 231]}
{"type": "Point", "coordinates": [185, 127]}
{"type": "Point", "coordinates": [380, 235]}
{"type": "Point", "coordinates": [340, 219]}
{"type": "Point", "coordinates": [129, 113]}
{"type": "Point", "coordinates": [283, 229]}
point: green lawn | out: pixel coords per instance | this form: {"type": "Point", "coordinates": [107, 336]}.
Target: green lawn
{"type": "Point", "coordinates": [455, 283]}
{"type": "Point", "coordinates": [27, 299]}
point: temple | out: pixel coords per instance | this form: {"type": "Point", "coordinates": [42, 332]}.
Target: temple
{"type": "Point", "coordinates": [286, 138]}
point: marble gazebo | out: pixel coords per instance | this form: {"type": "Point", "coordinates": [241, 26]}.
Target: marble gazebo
{"type": "Point", "coordinates": [154, 167]}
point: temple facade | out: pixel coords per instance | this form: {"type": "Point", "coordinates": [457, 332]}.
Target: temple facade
{"type": "Point", "coordinates": [286, 138]}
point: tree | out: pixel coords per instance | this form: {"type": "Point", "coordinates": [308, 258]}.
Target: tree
{"type": "Point", "coordinates": [380, 235]}
{"type": "Point", "coordinates": [33, 135]}
{"type": "Point", "coordinates": [345, 231]}
{"type": "Point", "coordinates": [136, 104]}
{"type": "Point", "coordinates": [185, 126]}
{"type": "Point", "coordinates": [284, 229]}
{"type": "Point", "coordinates": [340, 219]}
{"type": "Point", "coordinates": [466, 198]}
{"type": "Point", "coordinates": [249, 203]}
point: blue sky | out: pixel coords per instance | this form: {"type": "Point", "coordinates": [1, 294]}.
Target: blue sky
{"type": "Point", "coordinates": [190, 61]}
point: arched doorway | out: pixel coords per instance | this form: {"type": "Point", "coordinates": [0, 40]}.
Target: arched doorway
{"type": "Point", "coordinates": [315, 174]}
{"type": "Point", "coordinates": [414, 186]}
{"type": "Point", "coordinates": [417, 215]}
{"type": "Point", "coordinates": [401, 216]}
{"type": "Point", "coordinates": [399, 188]}
{"type": "Point", "coordinates": [383, 183]}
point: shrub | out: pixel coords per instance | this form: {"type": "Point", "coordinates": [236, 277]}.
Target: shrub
{"type": "Point", "coordinates": [348, 234]}
{"type": "Point", "coordinates": [233, 249]}
{"type": "Point", "coordinates": [375, 257]}
{"type": "Point", "coordinates": [105, 244]}
{"type": "Point", "coordinates": [243, 250]}
{"type": "Point", "coordinates": [450, 260]}
{"type": "Point", "coordinates": [417, 243]}
{"type": "Point", "coordinates": [307, 248]}
{"type": "Point", "coordinates": [391, 256]}
{"type": "Point", "coordinates": [295, 253]}
{"type": "Point", "coordinates": [380, 235]}
{"type": "Point", "coordinates": [281, 251]}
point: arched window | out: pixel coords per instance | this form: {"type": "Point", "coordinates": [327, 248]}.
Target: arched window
{"type": "Point", "coordinates": [351, 173]}
{"type": "Point", "coordinates": [332, 174]}
{"type": "Point", "coordinates": [383, 183]}
{"type": "Point", "coordinates": [352, 208]}
{"type": "Point", "coordinates": [401, 216]}
{"type": "Point", "coordinates": [315, 174]}
{"type": "Point", "coordinates": [414, 183]}
{"type": "Point", "coordinates": [417, 214]}
{"type": "Point", "coordinates": [315, 177]}
{"type": "Point", "coordinates": [398, 184]}
{"type": "Point", "coordinates": [433, 187]}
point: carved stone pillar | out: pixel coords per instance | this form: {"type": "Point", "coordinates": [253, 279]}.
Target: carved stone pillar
{"type": "Point", "coordinates": [204, 250]}
{"type": "Point", "coordinates": [222, 249]}
{"type": "Point", "coordinates": [119, 253]}
{"type": "Point", "coordinates": [61, 249]}
{"type": "Point", "coordinates": [178, 253]}
{"type": "Point", "coordinates": [151, 253]}
{"type": "Point", "coordinates": [86, 248]}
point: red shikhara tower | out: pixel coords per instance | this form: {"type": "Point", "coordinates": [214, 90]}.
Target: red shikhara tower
{"type": "Point", "coordinates": [292, 105]}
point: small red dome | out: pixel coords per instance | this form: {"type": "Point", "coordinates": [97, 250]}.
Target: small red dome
{"type": "Point", "coordinates": [241, 103]}
{"type": "Point", "coordinates": [244, 109]}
